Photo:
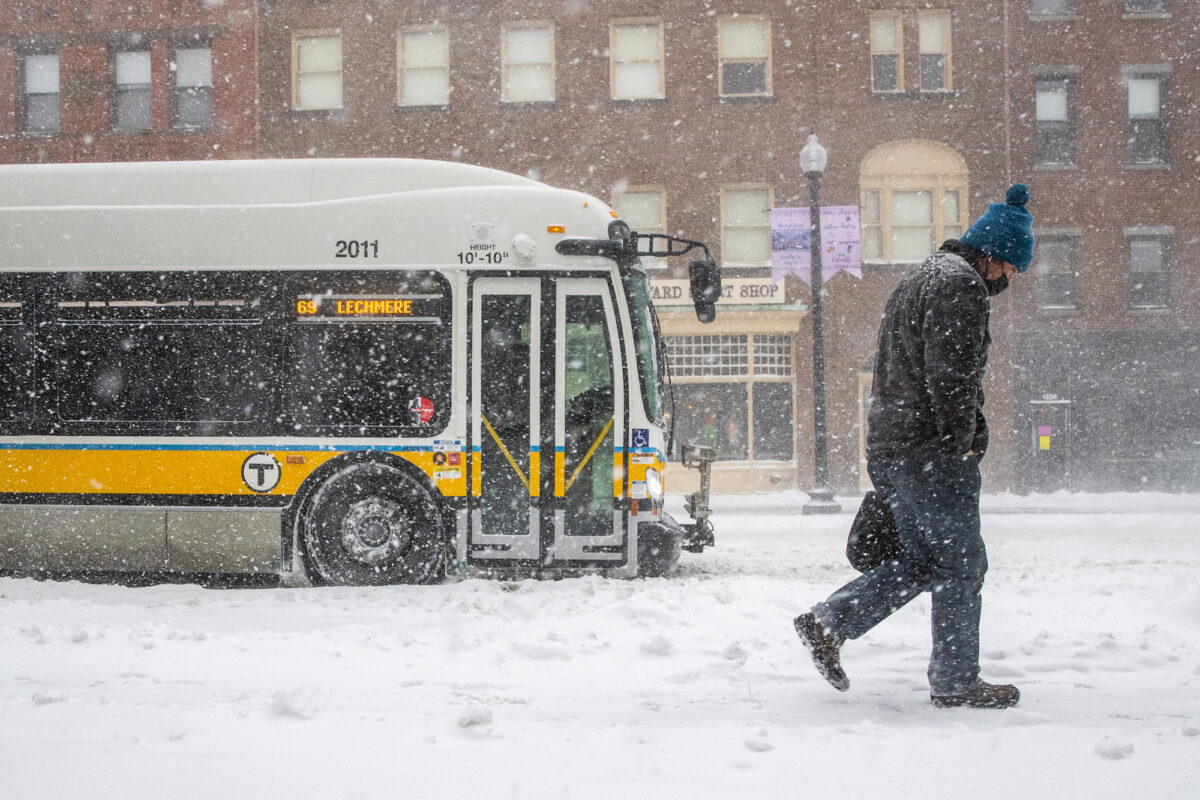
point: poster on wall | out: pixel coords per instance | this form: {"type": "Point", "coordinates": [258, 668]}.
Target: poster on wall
{"type": "Point", "coordinates": [791, 242]}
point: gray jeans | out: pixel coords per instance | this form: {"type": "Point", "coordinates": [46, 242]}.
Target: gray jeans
{"type": "Point", "coordinates": [936, 505]}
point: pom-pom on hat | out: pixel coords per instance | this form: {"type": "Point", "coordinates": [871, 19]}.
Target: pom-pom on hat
{"type": "Point", "coordinates": [1006, 230]}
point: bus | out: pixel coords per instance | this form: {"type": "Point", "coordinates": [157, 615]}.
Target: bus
{"type": "Point", "coordinates": [362, 371]}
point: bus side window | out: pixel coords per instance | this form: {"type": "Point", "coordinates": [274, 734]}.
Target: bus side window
{"type": "Point", "coordinates": [368, 353]}
{"type": "Point", "coordinates": [139, 348]}
{"type": "Point", "coordinates": [16, 358]}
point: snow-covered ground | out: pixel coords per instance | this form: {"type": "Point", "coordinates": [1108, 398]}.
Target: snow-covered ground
{"type": "Point", "coordinates": [692, 687]}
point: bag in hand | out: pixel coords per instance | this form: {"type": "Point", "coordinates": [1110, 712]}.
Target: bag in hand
{"type": "Point", "coordinates": [873, 536]}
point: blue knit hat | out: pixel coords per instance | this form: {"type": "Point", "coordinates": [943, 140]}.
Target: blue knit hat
{"type": "Point", "coordinates": [1006, 230]}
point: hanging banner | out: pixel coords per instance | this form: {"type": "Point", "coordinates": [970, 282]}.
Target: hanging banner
{"type": "Point", "coordinates": [791, 242]}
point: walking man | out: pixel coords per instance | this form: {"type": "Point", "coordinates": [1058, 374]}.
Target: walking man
{"type": "Point", "coordinates": [926, 435]}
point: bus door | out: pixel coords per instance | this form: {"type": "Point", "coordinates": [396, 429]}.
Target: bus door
{"type": "Point", "coordinates": [589, 425]}
{"type": "Point", "coordinates": [545, 378]}
{"type": "Point", "coordinates": [505, 420]}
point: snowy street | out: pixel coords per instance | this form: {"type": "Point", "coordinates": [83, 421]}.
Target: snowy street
{"type": "Point", "coordinates": [690, 687]}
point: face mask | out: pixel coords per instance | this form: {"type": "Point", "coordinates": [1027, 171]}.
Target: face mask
{"type": "Point", "coordinates": [996, 285]}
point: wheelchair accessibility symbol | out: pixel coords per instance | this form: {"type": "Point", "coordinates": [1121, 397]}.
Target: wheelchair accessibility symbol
{"type": "Point", "coordinates": [641, 437]}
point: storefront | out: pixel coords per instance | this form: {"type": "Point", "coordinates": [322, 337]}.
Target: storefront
{"type": "Point", "coordinates": [732, 382]}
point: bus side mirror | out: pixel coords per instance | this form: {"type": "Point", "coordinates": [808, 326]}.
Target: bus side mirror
{"type": "Point", "coordinates": [704, 276]}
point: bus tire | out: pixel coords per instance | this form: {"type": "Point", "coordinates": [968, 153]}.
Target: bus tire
{"type": "Point", "coordinates": [373, 524]}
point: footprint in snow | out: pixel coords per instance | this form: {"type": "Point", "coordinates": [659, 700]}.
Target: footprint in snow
{"type": "Point", "coordinates": [658, 645]}
{"type": "Point", "coordinates": [475, 716]}
{"type": "Point", "coordinates": [286, 706]}
{"type": "Point", "coordinates": [47, 698]}
{"type": "Point", "coordinates": [1113, 749]}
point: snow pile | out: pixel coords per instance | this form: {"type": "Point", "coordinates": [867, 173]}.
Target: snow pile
{"type": "Point", "coordinates": [688, 687]}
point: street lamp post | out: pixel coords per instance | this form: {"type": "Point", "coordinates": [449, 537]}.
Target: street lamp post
{"type": "Point", "coordinates": [812, 162]}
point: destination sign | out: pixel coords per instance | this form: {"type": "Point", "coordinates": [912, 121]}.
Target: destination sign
{"type": "Point", "coordinates": [358, 307]}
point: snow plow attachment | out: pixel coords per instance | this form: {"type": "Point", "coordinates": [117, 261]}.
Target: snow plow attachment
{"type": "Point", "coordinates": [698, 534]}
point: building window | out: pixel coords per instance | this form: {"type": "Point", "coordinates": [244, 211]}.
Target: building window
{"type": "Point", "coordinates": [1148, 270]}
{"type": "Point", "coordinates": [772, 355]}
{"type": "Point", "coordinates": [952, 222]}
{"type": "Point", "coordinates": [193, 100]}
{"type": "Point", "coordinates": [746, 225]}
{"type": "Point", "coordinates": [934, 38]}
{"type": "Point", "coordinates": [1146, 131]}
{"type": "Point", "coordinates": [1052, 8]}
{"type": "Point", "coordinates": [734, 392]}
{"type": "Point", "coordinates": [636, 60]}
{"type": "Point", "coordinates": [887, 50]}
{"type": "Point", "coordinates": [317, 71]}
{"type": "Point", "coordinates": [131, 107]}
{"type": "Point", "coordinates": [1054, 107]}
{"type": "Point", "coordinates": [644, 208]}
{"type": "Point", "coordinates": [912, 225]}
{"type": "Point", "coordinates": [744, 54]}
{"type": "Point", "coordinates": [423, 66]}
{"type": "Point", "coordinates": [1054, 272]}
{"type": "Point", "coordinates": [717, 356]}
{"type": "Point", "coordinates": [913, 198]}
{"type": "Point", "coordinates": [1145, 6]}
{"type": "Point", "coordinates": [41, 109]}
{"type": "Point", "coordinates": [528, 60]}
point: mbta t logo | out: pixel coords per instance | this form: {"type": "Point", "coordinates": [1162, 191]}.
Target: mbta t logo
{"type": "Point", "coordinates": [260, 472]}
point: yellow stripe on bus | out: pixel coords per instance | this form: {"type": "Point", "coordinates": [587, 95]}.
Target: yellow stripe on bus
{"type": "Point", "coordinates": [191, 472]}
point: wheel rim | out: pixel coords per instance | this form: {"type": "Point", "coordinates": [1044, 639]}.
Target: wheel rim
{"type": "Point", "coordinates": [376, 531]}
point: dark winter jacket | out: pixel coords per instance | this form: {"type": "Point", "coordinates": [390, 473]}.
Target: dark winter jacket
{"type": "Point", "coordinates": [927, 395]}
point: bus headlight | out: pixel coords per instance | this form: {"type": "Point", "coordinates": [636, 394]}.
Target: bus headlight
{"type": "Point", "coordinates": [654, 484]}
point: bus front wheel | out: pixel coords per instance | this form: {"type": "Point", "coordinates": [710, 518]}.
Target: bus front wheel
{"type": "Point", "coordinates": [370, 525]}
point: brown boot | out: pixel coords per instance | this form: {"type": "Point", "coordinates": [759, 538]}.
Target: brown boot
{"type": "Point", "coordinates": [824, 648]}
{"type": "Point", "coordinates": [984, 695]}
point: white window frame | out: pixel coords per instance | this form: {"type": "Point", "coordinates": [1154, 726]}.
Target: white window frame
{"type": "Point", "coordinates": [402, 69]}
{"type": "Point", "coordinates": [1163, 237]}
{"type": "Point", "coordinates": [197, 88]}
{"type": "Point", "coordinates": [897, 23]}
{"type": "Point", "coordinates": [947, 181]}
{"type": "Point", "coordinates": [946, 51]}
{"type": "Point", "coordinates": [661, 227]}
{"type": "Point", "coordinates": [766, 58]}
{"type": "Point", "coordinates": [1055, 134]}
{"type": "Point", "coordinates": [131, 87]}
{"type": "Point", "coordinates": [658, 58]}
{"type": "Point", "coordinates": [27, 93]}
{"type": "Point", "coordinates": [1052, 10]}
{"type": "Point", "coordinates": [298, 76]}
{"type": "Point", "coordinates": [947, 194]}
{"type": "Point", "coordinates": [1140, 118]}
{"type": "Point", "coordinates": [506, 62]}
{"type": "Point", "coordinates": [1160, 10]}
{"type": "Point", "coordinates": [1042, 271]}
{"type": "Point", "coordinates": [765, 226]}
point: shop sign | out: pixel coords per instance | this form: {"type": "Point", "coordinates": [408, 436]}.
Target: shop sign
{"type": "Point", "coordinates": [734, 291]}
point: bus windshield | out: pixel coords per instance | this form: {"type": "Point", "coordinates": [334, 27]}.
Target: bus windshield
{"type": "Point", "coordinates": [645, 332]}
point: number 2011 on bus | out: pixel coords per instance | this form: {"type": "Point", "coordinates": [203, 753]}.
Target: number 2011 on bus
{"type": "Point", "coordinates": [350, 248]}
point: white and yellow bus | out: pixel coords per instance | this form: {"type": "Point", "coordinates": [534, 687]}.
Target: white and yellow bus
{"type": "Point", "coordinates": [374, 371]}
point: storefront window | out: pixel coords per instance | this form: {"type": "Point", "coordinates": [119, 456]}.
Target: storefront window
{"type": "Point", "coordinates": [715, 403]}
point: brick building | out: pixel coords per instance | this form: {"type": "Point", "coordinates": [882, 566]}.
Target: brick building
{"type": "Point", "coordinates": [100, 80]}
{"type": "Point", "coordinates": [688, 117]}
{"type": "Point", "coordinates": [1106, 112]}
